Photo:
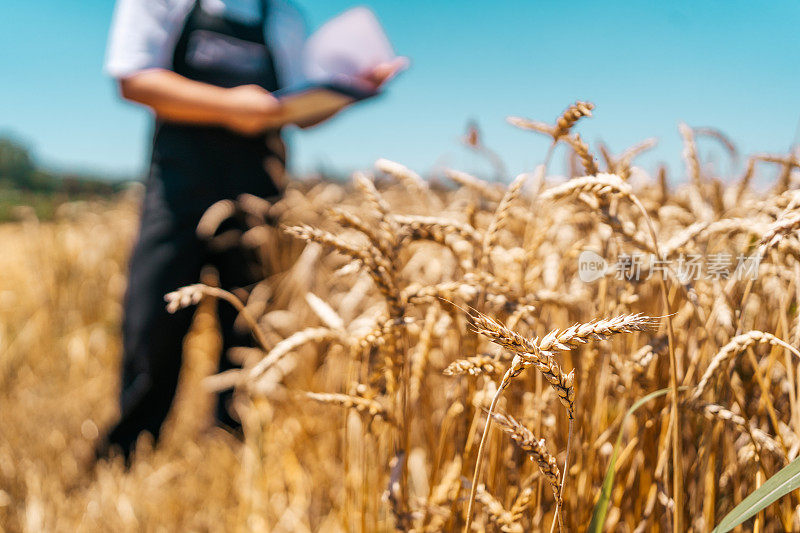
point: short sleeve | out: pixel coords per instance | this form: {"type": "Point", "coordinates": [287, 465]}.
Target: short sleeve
{"type": "Point", "coordinates": [143, 35]}
{"type": "Point", "coordinates": [286, 36]}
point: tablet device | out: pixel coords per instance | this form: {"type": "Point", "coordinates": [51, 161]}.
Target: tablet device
{"type": "Point", "coordinates": [334, 58]}
{"type": "Point", "coordinates": [312, 101]}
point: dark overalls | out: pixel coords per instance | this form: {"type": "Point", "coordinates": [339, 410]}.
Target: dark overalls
{"type": "Point", "coordinates": [192, 167]}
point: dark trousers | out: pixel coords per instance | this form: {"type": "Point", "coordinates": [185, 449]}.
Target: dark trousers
{"type": "Point", "coordinates": [169, 255]}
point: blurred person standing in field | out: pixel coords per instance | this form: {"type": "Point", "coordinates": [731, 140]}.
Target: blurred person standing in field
{"type": "Point", "coordinates": [206, 68]}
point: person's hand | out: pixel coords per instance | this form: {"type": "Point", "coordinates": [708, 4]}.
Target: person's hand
{"type": "Point", "coordinates": [251, 109]}
{"type": "Point", "coordinates": [372, 80]}
{"type": "Point", "coordinates": [383, 72]}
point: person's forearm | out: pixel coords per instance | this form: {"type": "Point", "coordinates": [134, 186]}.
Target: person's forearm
{"type": "Point", "coordinates": [318, 120]}
{"type": "Point", "coordinates": [176, 98]}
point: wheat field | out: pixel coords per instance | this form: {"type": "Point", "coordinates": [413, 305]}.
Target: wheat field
{"type": "Point", "coordinates": [431, 357]}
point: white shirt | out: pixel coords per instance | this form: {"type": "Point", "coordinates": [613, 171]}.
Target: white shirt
{"type": "Point", "coordinates": [144, 33]}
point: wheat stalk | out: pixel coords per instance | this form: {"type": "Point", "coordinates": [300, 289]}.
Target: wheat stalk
{"type": "Point", "coordinates": [780, 229]}
{"type": "Point", "coordinates": [570, 116]}
{"type": "Point", "coordinates": [582, 150]}
{"type": "Point", "coordinates": [287, 346]}
{"type": "Point", "coordinates": [498, 514]}
{"type": "Point", "coordinates": [193, 294]}
{"type": "Point", "coordinates": [480, 186]}
{"type": "Point", "coordinates": [474, 366]}
{"type": "Point", "coordinates": [502, 213]}
{"type": "Point", "coordinates": [601, 329]}
{"type": "Point", "coordinates": [736, 345]}
{"type": "Point", "coordinates": [364, 406]}
{"type": "Point", "coordinates": [410, 179]}
{"type": "Point", "coordinates": [536, 448]}
{"type": "Point", "coordinates": [601, 185]}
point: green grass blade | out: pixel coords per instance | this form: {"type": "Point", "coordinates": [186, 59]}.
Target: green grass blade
{"type": "Point", "coordinates": [601, 507]}
{"type": "Point", "coordinates": [785, 481]}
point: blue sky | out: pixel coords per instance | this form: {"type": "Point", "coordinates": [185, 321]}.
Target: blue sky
{"type": "Point", "coordinates": [646, 65]}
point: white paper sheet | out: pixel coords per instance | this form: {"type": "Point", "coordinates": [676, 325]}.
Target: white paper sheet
{"type": "Point", "coordinates": [348, 45]}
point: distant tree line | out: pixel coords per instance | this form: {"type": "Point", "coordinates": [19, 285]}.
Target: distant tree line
{"type": "Point", "coordinates": [19, 171]}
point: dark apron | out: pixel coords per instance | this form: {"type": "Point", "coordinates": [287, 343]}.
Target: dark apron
{"type": "Point", "coordinates": [192, 167]}
{"type": "Point", "coordinates": [199, 165]}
